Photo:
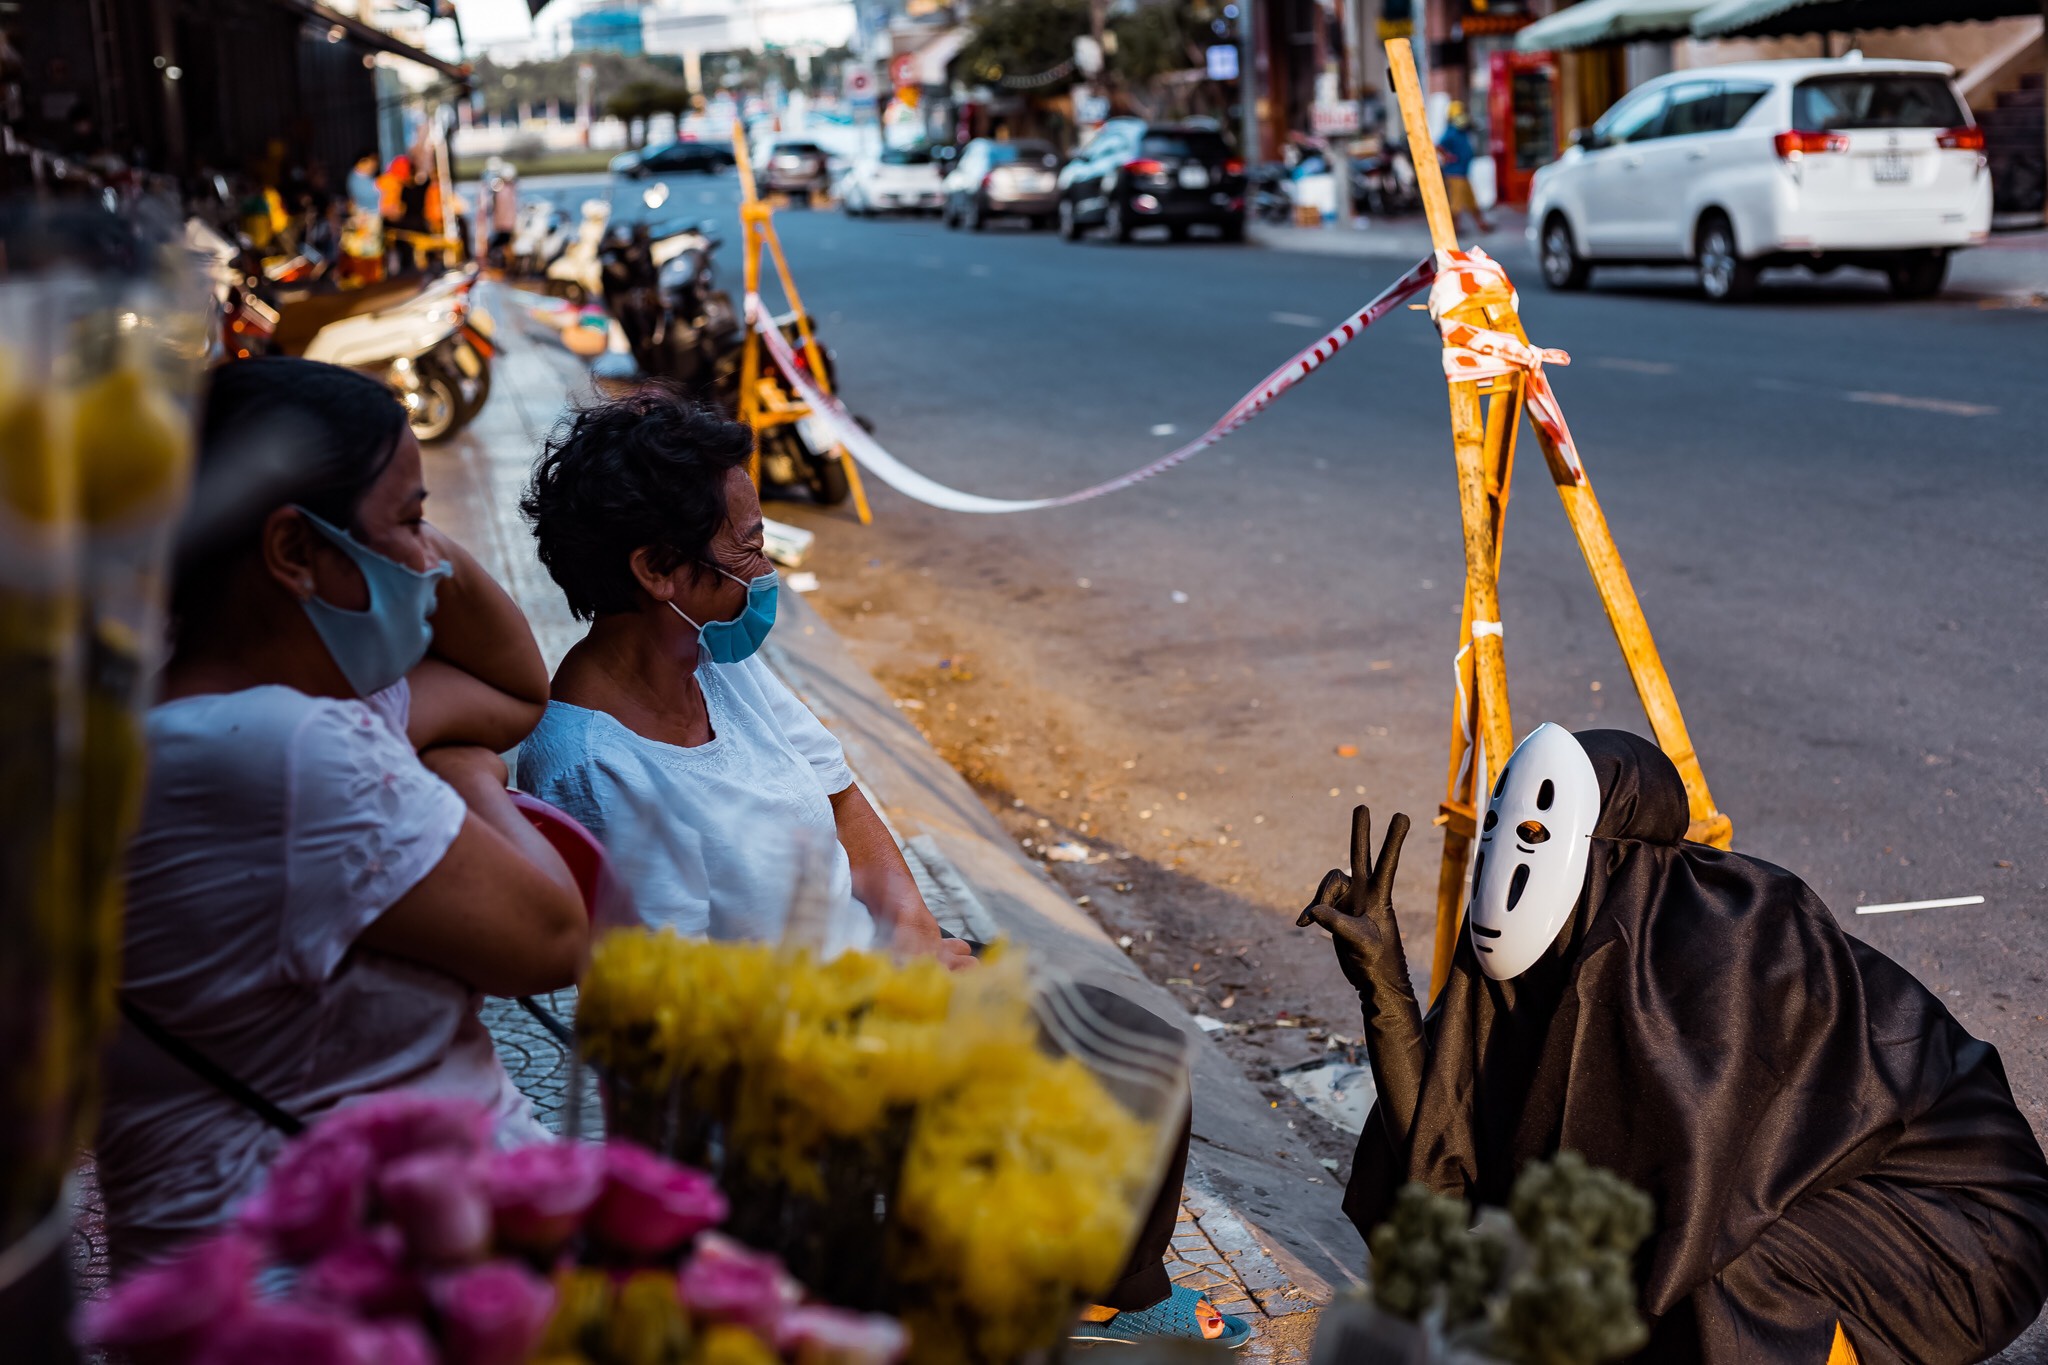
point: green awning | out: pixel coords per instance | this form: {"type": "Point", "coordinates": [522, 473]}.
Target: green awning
{"type": "Point", "coordinates": [1784, 18]}
{"type": "Point", "coordinates": [1603, 23]}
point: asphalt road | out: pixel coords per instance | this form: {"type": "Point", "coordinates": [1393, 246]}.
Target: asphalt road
{"type": "Point", "coordinates": [1830, 503]}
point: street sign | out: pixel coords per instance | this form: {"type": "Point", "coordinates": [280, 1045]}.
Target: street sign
{"type": "Point", "coordinates": [1223, 62]}
{"type": "Point", "coordinates": [859, 84]}
{"type": "Point", "coordinates": [903, 70]}
{"type": "Point", "coordinates": [1337, 118]}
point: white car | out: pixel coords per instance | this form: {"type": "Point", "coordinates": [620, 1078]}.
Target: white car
{"type": "Point", "coordinates": [894, 180]}
{"type": "Point", "coordinates": [1734, 168]}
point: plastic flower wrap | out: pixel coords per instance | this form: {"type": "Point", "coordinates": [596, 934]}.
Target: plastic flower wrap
{"type": "Point", "coordinates": [971, 1151]}
{"type": "Point", "coordinates": [99, 348]}
{"type": "Point", "coordinates": [416, 1243]}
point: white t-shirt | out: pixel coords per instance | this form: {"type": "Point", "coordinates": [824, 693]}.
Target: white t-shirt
{"type": "Point", "coordinates": [275, 828]}
{"type": "Point", "coordinates": [707, 838]}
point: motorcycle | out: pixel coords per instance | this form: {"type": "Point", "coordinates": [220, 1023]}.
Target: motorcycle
{"type": "Point", "coordinates": [574, 275]}
{"type": "Point", "coordinates": [432, 345]}
{"type": "Point", "coordinates": [1384, 184]}
{"type": "Point", "coordinates": [542, 235]}
{"type": "Point", "coordinates": [659, 283]}
{"type": "Point", "coordinates": [1266, 187]}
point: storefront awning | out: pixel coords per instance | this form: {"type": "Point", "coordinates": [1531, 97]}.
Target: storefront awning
{"type": "Point", "coordinates": [935, 56]}
{"type": "Point", "coordinates": [1784, 18]}
{"type": "Point", "coordinates": [1604, 23]}
{"type": "Point", "coordinates": [372, 37]}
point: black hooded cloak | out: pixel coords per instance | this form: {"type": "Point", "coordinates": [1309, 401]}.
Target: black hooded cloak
{"type": "Point", "coordinates": [1823, 1141]}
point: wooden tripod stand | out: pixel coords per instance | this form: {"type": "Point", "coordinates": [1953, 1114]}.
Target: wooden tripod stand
{"type": "Point", "coordinates": [1486, 415]}
{"type": "Point", "coordinates": [764, 403]}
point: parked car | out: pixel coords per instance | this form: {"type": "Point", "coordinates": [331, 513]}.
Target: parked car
{"type": "Point", "coordinates": [1735, 168]}
{"type": "Point", "coordinates": [675, 158]}
{"type": "Point", "coordinates": [993, 179]}
{"type": "Point", "coordinates": [793, 167]}
{"type": "Point", "coordinates": [893, 180]}
{"type": "Point", "coordinates": [1132, 174]}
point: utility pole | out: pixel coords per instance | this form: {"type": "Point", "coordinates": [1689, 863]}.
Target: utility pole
{"type": "Point", "coordinates": [1248, 12]}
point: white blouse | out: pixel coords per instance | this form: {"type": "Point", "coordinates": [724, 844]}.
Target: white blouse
{"type": "Point", "coordinates": [710, 839]}
{"type": "Point", "coordinates": [276, 827]}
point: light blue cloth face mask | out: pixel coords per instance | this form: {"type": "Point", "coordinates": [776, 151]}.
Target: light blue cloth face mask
{"type": "Point", "coordinates": [728, 642]}
{"type": "Point", "coordinates": [375, 648]}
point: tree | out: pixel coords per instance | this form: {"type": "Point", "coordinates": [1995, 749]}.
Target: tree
{"type": "Point", "coordinates": [1021, 38]}
{"type": "Point", "coordinates": [637, 102]}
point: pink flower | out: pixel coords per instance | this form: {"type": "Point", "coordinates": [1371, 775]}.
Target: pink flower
{"type": "Point", "coordinates": [307, 1334]}
{"type": "Point", "coordinates": [437, 1200]}
{"type": "Point", "coordinates": [492, 1314]}
{"type": "Point", "coordinates": [400, 1123]}
{"type": "Point", "coordinates": [365, 1275]}
{"type": "Point", "coordinates": [540, 1193]}
{"type": "Point", "coordinates": [728, 1283]}
{"type": "Point", "coordinates": [162, 1313]}
{"type": "Point", "coordinates": [314, 1195]}
{"type": "Point", "coordinates": [651, 1205]}
{"type": "Point", "coordinates": [815, 1335]}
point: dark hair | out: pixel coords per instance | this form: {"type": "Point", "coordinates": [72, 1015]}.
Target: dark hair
{"type": "Point", "coordinates": [277, 430]}
{"type": "Point", "coordinates": [645, 470]}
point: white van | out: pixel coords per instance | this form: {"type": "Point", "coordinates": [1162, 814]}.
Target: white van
{"type": "Point", "coordinates": [1734, 168]}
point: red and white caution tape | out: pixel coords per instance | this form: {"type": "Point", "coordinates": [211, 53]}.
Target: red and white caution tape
{"type": "Point", "coordinates": [1471, 351]}
{"type": "Point", "coordinates": [875, 460]}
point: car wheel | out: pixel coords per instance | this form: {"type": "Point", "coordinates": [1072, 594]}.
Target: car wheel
{"type": "Point", "coordinates": [1724, 276]}
{"type": "Point", "coordinates": [1233, 230]}
{"type": "Point", "coordinates": [1919, 275]}
{"type": "Point", "coordinates": [1563, 267]}
{"type": "Point", "coordinates": [1070, 230]}
{"type": "Point", "coordinates": [948, 217]}
{"type": "Point", "coordinates": [1118, 226]}
{"type": "Point", "coordinates": [1039, 222]}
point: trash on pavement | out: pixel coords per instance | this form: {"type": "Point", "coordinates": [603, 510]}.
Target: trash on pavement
{"type": "Point", "coordinates": [786, 545]}
{"type": "Point", "coordinates": [805, 581]}
{"type": "Point", "coordinates": [1068, 851]}
{"type": "Point", "coordinates": [1338, 1092]}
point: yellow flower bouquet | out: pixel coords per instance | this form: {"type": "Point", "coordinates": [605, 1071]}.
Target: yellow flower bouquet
{"type": "Point", "coordinates": [970, 1152]}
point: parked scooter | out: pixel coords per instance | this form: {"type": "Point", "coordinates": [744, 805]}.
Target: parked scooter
{"type": "Point", "coordinates": [659, 283]}
{"type": "Point", "coordinates": [575, 274]}
{"type": "Point", "coordinates": [541, 237]}
{"type": "Point", "coordinates": [1266, 185]}
{"type": "Point", "coordinates": [1384, 184]}
{"type": "Point", "coordinates": [433, 345]}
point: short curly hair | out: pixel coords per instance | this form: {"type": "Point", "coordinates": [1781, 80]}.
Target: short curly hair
{"type": "Point", "coordinates": [644, 470]}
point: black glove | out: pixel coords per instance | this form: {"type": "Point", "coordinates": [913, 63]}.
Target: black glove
{"type": "Point", "coordinates": [1358, 910]}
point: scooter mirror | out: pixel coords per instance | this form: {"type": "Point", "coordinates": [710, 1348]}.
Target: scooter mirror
{"type": "Point", "coordinates": [655, 195]}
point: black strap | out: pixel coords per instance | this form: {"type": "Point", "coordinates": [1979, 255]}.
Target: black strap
{"type": "Point", "coordinates": [204, 1067]}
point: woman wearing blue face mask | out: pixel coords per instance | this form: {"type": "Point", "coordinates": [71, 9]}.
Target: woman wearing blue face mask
{"type": "Point", "coordinates": [667, 735]}
{"type": "Point", "coordinates": [327, 870]}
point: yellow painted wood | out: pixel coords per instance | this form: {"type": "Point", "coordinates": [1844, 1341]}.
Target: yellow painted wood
{"type": "Point", "coordinates": [1841, 1352]}
{"type": "Point", "coordinates": [1429, 175]}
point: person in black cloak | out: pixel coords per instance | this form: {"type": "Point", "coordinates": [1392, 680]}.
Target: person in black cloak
{"type": "Point", "coordinates": [1824, 1143]}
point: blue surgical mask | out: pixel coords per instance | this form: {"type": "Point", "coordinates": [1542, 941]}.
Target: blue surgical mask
{"type": "Point", "coordinates": [728, 642]}
{"type": "Point", "coordinates": [375, 648]}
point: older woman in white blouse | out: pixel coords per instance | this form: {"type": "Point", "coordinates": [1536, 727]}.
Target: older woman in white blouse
{"type": "Point", "coordinates": [667, 735]}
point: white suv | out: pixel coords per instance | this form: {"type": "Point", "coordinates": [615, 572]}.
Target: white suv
{"type": "Point", "coordinates": [1814, 163]}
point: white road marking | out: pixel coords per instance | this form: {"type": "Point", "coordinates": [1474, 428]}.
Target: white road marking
{"type": "Point", "coordinates": [1615, 362]}
{"type": "Point", "coordinates": [1294, 320]}
{"type": "Point", "coordinates": [1918, 905]}
{"type": "Point", "coordinates": [1948, 407]}
{"type": "Point", "coordinates": [1163, 429]}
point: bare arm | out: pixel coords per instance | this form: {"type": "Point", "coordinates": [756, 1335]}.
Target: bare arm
{"type": "Point", "coordinates": [484, 681]}
{"type": "Point", "coordinates": [883, 882]}
{"type": "Point", "coordinates": [500, 910]}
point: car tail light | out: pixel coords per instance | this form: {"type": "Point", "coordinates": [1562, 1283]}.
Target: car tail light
{"type": "Point", "coordinates": [1796, 144]}
{"type": "Point", "coordinates": [1233, 167]}
{"type": "Point", "coordinates": [1962, 139]}
{"type": "Point", "coordinates": [1145, 166]}
{"type": "Point", "coordinates": [988, 180]}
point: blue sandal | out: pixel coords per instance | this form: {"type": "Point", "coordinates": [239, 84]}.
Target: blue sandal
{"type": "Point", "coordinates": [1173, 1317]}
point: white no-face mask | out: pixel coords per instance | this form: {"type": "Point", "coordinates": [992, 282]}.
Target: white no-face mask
{"type": "Point", "coordinates": [1534, 841]}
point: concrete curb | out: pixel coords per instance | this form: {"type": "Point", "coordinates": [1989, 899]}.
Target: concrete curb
{"type": "Point", "coordinates": [1272, 1211]}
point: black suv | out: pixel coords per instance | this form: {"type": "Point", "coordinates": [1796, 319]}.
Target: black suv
{"type": "Point", "coordinates": [1133, 174]}
{"type": "Point", "coordinates": [707, 158]}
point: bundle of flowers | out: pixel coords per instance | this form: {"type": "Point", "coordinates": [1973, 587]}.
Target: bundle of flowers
{"type": "Point", "coordinates": [906, 1137]}
{"type": "Point", "coordinates": [1548, 1281]}
{"type": "Point", "coordinates": [403, 1238]}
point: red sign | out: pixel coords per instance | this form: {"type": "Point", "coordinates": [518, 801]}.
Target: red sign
{"type": "Point", "coordinates": [903, 70]}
